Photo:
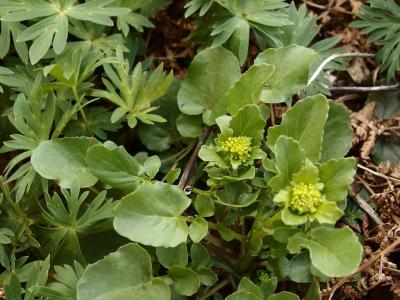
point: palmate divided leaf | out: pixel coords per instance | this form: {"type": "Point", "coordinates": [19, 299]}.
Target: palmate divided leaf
{"type": "Point", "coordinates": [64, 288]}
{"type": "Point", "coordinates": [380, 21]}
{"type": "Point", "coordinates": [75, 66]}
{"type": "Point", "coordinates": [52, 29]}
{"type": "Point", "coordinates": [10, 32]}
{"type": "Point", "coordinates": [99, 119]}
{"type": "Point", "coordinates": [33, 117]}
{"type": "Point", "coordinates": [136, 91]}
{"type": "Point", "coordinates": [238, 17]}
{"type": "Point", "coordinates": [133, 19]}
{"type": "Point", "coordinates": [91, 36]}
{"type": "Point", "coordinates": [6, 78]}
{"type": "Point", "coordinates": [66, 223]}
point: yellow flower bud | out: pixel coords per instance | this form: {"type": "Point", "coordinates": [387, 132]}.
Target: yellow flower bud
{"type": "Point", "coordinates": [263, 277]}
{"type": "Point", "coordinates": [305, 198]}
{"type": "Point", "coordinates": [237, 148]}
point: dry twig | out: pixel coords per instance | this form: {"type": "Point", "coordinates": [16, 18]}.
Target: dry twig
{"type": "Point", "coordinates": [367, 209]}
{"type": "Point", "coordinates": [365, 265]}
{"type": "Point", "coordinates": [365, 89]}
{"type": "Point", "coordinates": [193, 158]}
{"type": "Point", "coordinates": [378, 174]}
{"type": "Point", "coordinates": [333, 57]}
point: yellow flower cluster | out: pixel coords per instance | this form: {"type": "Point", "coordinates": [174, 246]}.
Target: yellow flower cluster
{"type": "Point", "coordinates": [237, 148]}
{"type": "Point", "coordinates": [305, 198]}
{"type": "Point", "coordinates": [263, 277]}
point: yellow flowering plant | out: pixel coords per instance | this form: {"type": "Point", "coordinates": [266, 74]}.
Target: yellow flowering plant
{"type": "Point", "coordinates": [310, 181]}
{"type": "Point", "coordinates": [238, 143]}
{"type": "Point", "coordinates": [304, 199]}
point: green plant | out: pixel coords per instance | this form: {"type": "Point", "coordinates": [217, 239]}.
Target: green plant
{"type": "Point", "coordinates": [198, 190]}
{"type": "Point", "coordinates": [52, 28]}
{"type": "Point", "coordinates": [380, 21]}
{"type": "Point", "coordinates": [303, 32]}
{"type": "Point", "coordinates": [232, 21]}
{"type": "Point", "coordinates": [299, 28]}
{"type": "Point", "coordinates": [136, 91]}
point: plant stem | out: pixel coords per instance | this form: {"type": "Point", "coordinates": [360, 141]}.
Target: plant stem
{"type": "Point", "coordinates": [377, 173]}
{"type": "Point", "coordinates": [179, 155]}
{"type": "Point", "coordinates": [199, 191]}
{"type": "Point", "coordinates": [213, 226]}
{"type": "Point", "coordinates": [193, 158]}
{"type": "Point", "coordinates": [365, 89]}
{"type": "Point", "coordinates": [253, 239]}
{"type": "Point", "coordinates": [272, 113]}
{"type": "Point", "coordinates": [215, 289]}
{"type": "Point", "coordinates": [257, 232]}
{"type": "Point", "coordinates": [366, 208]}
{"type": "Point", "coordinates": [82, 112]}
{"type": "Point", "coordinates": [214, 241]}
{"type": "Point", "coordinates": [234, 234]}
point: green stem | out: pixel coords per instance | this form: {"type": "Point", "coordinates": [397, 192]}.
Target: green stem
{"type": "Point", "coordinates": [217, 187]}
{"type": "Point", "coordinates": [257, 232]}
{"type": "Point", "coordinates": [82, 112]}
{"type": "Point", "coordinates": [234, 234]}
{"type": "Point", "coordinates": [199, 191]}
{"type": "Point", "coordinates": [181, 154]}
{"type": "Point", "coordinates": [214, 241]}
{"type": "Point", "coordinates": [215, 289]}
{"type": "Point", "coordinates": [94, 190]}
{"type": "Point", "coordinates": [257, 225]}
{"type": "Point", "coordinates": [214, 226]}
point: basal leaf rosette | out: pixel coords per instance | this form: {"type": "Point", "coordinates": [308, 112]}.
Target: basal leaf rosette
{"type": "Point", "coordinates": [238, 143]}
{"type": "Point", "coordinates": [307, 191]}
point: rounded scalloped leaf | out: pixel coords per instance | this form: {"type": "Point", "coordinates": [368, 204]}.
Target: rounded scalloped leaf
{"type": "Point", "coordinates": [211, 74]}
{"type": "Point", "coordinates": [64, 160]}
{"type": "Point", "coordinates": [284, 296]}
{"type": "Point", "coordinates": [289, 158]}
{"type": "Point", "coordinates": [124, 274]}
{"type": "Point", "coordinates": [186, 281]}
{"type": "Point", "coordinates": [338, 133]}
{"type": "Point", "coordinates": [324, 132]}
{"type": "Point", "coordinates": [337, 175]}
{"type": "Point", "coordinates": [248, 89]}
{"type": "Point", "coordinates": [177, 256]}
{"type": "Point", "coordinates": [152, 215]}
{"type": "Point", "coordinates": [248, 121]}
{"type": "Point", "coordinates": [115, 167]}
{"type": "Point", "coordinates": [304, 122]}
{"type": "Point", "coordinates": [290, 74]}
{"type": "Point", "coordinates": [334, 252]}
